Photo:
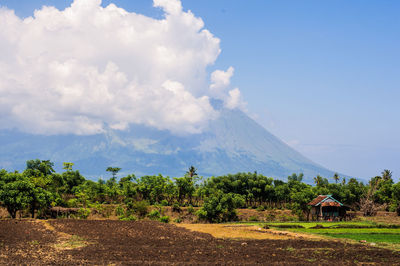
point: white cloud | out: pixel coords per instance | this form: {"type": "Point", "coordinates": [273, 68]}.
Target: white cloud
{"type": "Point", "coordinates": [220, 81]}
{"type": "Point", "coordinates": [233, 100]}
{"type": "Point", "coordinates": [85, 67]}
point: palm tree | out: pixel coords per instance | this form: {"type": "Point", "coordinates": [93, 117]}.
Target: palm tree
{"type": "Point", "coordinates": [318, 180]}
{"type": "Point", "coordinates": [192, 171]}
{"type": "Point", "coordinates": [386, 175]}
{"type": "Point", "coordinates": [336, 177]}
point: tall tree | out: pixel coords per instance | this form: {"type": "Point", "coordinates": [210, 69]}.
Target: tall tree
{"type": "Point", "coordinates": [16, 193]}
{"type": "Point", "coordinates": [336, 177]}
{"type": "Point", "coordinates": [192, 171]}
{"type": "Point", "coordinates": [113, 170]}
{"type": "Point", "coordinates": [43, 166]}
{"type": "Point", "coordinates": [386, 175]}
{"type": "Point", "coordinates": [67, 166]}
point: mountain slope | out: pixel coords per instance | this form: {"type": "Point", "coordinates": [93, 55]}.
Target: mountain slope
{"type": "Point", "coordinates": [232, 143]}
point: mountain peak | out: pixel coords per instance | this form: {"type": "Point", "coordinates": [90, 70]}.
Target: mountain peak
{"type": "Point", "coordinates": [232, 143]}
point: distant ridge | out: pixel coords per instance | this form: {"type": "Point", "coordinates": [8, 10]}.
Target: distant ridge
{"type": "Point", "coordinates": [232, 143]}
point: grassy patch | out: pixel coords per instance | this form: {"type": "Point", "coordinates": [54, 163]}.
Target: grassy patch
{"type": "Point", "coordinates": [382, 234]}
{"type": "Point", "coordinates": [72, 243]}
{"type": "Point", "coordinates": [290, 249]}
{"type": "Point", "coordinates": [370, 237]}
{"type": "Point", "coordinates": [34, 243]}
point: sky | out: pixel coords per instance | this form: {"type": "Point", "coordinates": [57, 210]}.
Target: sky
{"type": "Point", "coordinates": [324, 76]}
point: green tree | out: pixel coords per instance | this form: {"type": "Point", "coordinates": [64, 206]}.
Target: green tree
{"type": "Point", "coordinates": [220, 207]}
{"type": "Point", "coordinates": [387, 175]}
{"type": "Point", "coordinates": [336, 177]}
{"type": "Point", "coordinates": [192, 171]}
{"type": "Point", "coordinates": [152, 188]}
{"type": "Point", "coordinates": [185, 188]}
{"type": "Point", "coordinates": [68, 166]}
{"type": "Point", "coordinates": [16, 193]}
{"type": "Point", "coordinates": [300, 199]}
{"type": "Point", "coordinates": [71, 180]}
{"type": "Point", "coordinates": [113, 170]}
{"type": "Point", "coordinates": [39, 199]}
{"type": "Point", "coordinates": [43, 166]}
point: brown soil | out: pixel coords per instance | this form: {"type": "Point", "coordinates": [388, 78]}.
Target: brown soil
{"type": "Point", "coordinates": [147, 242]}
{"type": "Point", "coordinates": [266, 215]}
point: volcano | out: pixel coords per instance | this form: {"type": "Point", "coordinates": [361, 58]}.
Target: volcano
{"type": "Point", "coordinates": [232, 143]}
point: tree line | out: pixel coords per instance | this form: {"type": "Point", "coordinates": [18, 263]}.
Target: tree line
{"type": "Point", "coordinates": [39, 187]}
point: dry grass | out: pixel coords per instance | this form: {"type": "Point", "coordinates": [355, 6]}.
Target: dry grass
{"type": "Point", "coordinates": [3, 213]}
{"type": "Point", "coordinates": [65, 241]}
{"type": "Point", "coordinates": [240, 231]}
{"type": "Point", "coordinates": [383, 217]}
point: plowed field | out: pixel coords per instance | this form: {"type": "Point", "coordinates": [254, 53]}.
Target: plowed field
{"type": "Point", "coordinates": [105, 242]}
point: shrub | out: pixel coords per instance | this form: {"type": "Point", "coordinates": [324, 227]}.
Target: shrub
{"type": "Point", "coordinates": [220, 207]}
{"type": "Point", "coordinates": [176, 207]}
{"type": "Point", "coordinates": [287, 218]}
{"type": "Point", "coordinates": [72, 203]}
{"type": "Point", "coordinates": [119, 211]}
{"type": "Point", "coordinates": [260, 208]}
{"type": "Point", "coordinates": [271, 216]}
{"type": "Point", "coordinates": [392, 207]}
{"type": "Point", "coordinates": [128, 218]}
{"type": "Point", "coordinates": [164, 203]}
{"type": "Point", "coordinates": [190, 209]}
{"type": "Point", "coordinates": [104, 210]}
{"type": "Point", "coordinates": [83, 213]}
{"type": "Point", "coordinates": [178, 220]}
{"type": "Point", "coordinates": [165, 219]}
{"type": "Point", "coordinates": [154, 214]}
{"type": "Point", "coordinates": [141, 208]}
{"type": "Point", "coordinates": [253, 218]}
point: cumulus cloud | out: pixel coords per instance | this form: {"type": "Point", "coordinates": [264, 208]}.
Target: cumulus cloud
{"type": "Point", "coordinates": [220, 81]}
{"type": "Point", "coordinates": [81, 69]}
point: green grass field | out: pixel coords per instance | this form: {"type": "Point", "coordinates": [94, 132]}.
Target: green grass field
{"type": "Point", "coordinates": [381, 234]}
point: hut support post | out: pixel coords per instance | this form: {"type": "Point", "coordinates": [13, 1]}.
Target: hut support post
{"type": "Point", "coordinates": [320, 212]}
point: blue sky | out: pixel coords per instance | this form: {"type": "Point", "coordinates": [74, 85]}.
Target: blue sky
{"type": "Point", "coordinates": [324, 76]}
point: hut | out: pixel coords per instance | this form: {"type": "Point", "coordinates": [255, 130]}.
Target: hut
{"type": "Point", "coordinates": [326, 208]}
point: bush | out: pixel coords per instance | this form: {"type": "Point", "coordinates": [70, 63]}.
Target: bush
{"type": "Point", "coordinates": [104, 210]}
{"type": "Point", "coordinates": [164, 203]}
{"type": "Point", "coordinates": [176, 207]}
{"type": "Point", "coordinates": [271, 216]}
{"type": "Point", "coordinates": [128, 218]}
{"type": "Point", "coordinates": [141, 208]}
{"type": "Point", "coordinates": [72, 203]}
{"type": "Point", "coordinates": [178, 220]}
{"type": "Point", "coordinates": [190, 209]}
{"type": "Point", "coordinates": [287, 218]}
{"type": "Point", "coordinates": [260, 208]}
{"type": "Point", "coordinates": [165, 219]}
{"type": "Point", "coordinates": [253, 218]}
{"type": "Point", "coordinates": [83, 213]}
{"type": "Point", "coordinates": [119, 211]}
{"type": "Point", "coordinates": [154, 214]}
{"type": "Point", "coordinates": [392, 207]}
{"type": "Point", "coordinates": [220, 207]}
